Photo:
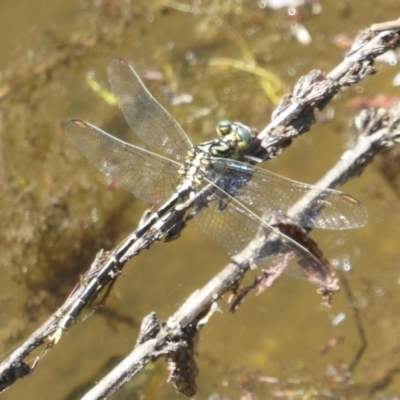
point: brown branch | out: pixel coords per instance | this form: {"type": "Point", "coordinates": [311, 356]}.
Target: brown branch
{"type": "Point", "coordinates": [295, 113]}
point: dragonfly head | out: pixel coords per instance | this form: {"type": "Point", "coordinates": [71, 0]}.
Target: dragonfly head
{"type": "Point", "coordinates": [240, 134]}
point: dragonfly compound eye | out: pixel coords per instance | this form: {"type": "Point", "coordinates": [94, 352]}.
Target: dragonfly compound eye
{"type": "Point", "coordinates": [243, 134]}
{"type": "Point", "coordinates": [224, 128]}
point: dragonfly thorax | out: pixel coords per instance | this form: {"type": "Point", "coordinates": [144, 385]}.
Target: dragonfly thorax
{"type": "Point", "coordinates": [196, 164]}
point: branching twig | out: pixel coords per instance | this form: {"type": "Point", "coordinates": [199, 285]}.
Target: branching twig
{"type": "Point", "coordinates": [295, 114]}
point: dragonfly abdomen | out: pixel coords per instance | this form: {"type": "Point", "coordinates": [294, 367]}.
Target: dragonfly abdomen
{"type": "Point", "coordinates": [114, 264]}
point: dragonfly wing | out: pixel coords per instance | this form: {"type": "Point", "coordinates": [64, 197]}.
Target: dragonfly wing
{"type": "Point", "coordinates": [148, 176]}
{"type": "Point", "coordinates": [274, 194]}
{"type": "Point", "coordinates": [233, 226]}
{"type": "Point", "coordinates": [148, 118]}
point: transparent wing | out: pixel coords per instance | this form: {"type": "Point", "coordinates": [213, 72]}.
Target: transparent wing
{"type": "Point", "coordinates": [274, 194]}
{"type": "Point", "coordinates": [148, 118]}
{"type": "Point", "coordinates": [233, 226]}
{"type": "Point", "coordinates": [148, 176]}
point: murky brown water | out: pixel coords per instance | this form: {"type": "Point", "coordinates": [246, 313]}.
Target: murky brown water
{"type": "Point", "coordinates": [57, 211]}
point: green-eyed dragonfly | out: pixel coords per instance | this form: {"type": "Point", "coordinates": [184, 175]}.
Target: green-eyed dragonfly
{"type": "Point", "coordinates": [224, 190]}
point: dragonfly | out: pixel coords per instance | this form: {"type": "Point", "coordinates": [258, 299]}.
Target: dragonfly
{"type": "Point", "coordinates": [230, 198]}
